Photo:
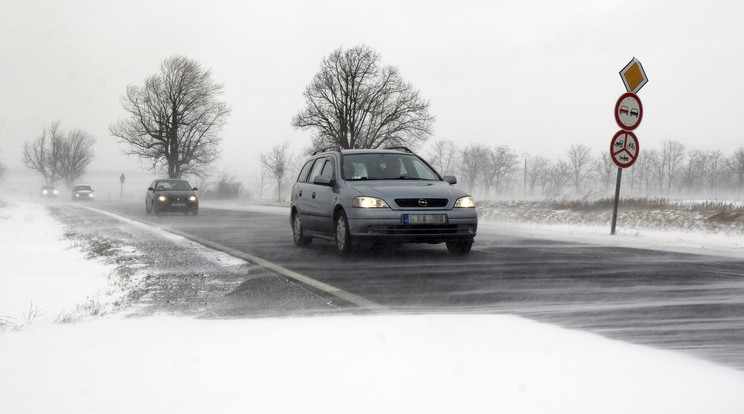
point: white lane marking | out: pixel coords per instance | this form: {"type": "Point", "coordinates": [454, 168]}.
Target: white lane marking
{"type": "Point", "coordinates": [324, 287]}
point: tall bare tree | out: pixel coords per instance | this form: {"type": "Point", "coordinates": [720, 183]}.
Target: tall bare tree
{"type": "Point", "coordinates": [736, 167]}
{"type": "Point", "coordinates": [443, 155]}
{"type": "Point", "coordinates": [499, 166]}
{"type": "Point", "coordinates": [472, 160]}
{"type": "Point", "coordinates": [59, 156]}
{"type": "Point", "coordinates": [672, 156]}
{"type": "Point", "coordinates": [43, 155]}
{"type": "Point", "coordinates": [174, 119]}
{"type": "Point", "coordinates": [76, 155]}
{"type": "Point", "coordinates": [277, 162]}
{"type": "Point", "coordinates": [356, 102]}
{"type": "Point", "coordinates": [537, 171]}
{"type": "Point", "coordinates": [579, 158]}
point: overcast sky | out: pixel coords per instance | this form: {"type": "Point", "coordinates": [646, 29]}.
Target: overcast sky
{"type": "Point", "coordinates": [538, 76]}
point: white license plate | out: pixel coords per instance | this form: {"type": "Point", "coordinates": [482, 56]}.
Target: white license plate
{"type": "Point", "coordinates": [424, 219]}
{"type": "Point", "coordinates": [178, 205]}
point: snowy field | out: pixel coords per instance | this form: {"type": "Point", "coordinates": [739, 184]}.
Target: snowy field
{"type": "Point", "coordinates": [363, 364]}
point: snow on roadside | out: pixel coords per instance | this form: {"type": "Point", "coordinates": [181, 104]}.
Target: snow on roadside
{"type": "Point", "coordinates": [42, 275]}
{"type": "Point", "coordinates": [365, 364]}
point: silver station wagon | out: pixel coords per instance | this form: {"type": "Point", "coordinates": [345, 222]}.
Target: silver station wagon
{"type": "Point", "coordinates": [379, 196]}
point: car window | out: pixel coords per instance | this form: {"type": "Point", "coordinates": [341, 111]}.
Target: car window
{"type": "Point", "coordinates": [317, 169]}
{"type": "Point", "coordinates": [386, 167]}
{"type": "Point", "coordinates": [303, 174]}
{"type": "Point", "coordinates": [328, 168]}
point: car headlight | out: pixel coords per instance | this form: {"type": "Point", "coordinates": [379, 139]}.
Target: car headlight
{"type": "Point", "coordinates": [91, 195]}
{"type": "Point", "coordinates": [369, 202]}
{"type": "Point", "coordinates": [162, 198]}
{"type": "Point", "coordinates": [56, 192]}
{"type": "Point", "coordinates": [192, 199]}
{"type": "Point", "coordinates": [465, 202]}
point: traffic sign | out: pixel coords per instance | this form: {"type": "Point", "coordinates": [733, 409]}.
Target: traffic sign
{"type": "Point", "coordinates": [624, 148]}
{"type": "Point", "coordinates": [633, 75]}
{"type": "Point", "coordinates": [628, 111]}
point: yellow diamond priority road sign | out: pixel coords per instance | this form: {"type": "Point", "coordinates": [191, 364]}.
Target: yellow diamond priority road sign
{"type": "Point", "coordinates": [633, 75]}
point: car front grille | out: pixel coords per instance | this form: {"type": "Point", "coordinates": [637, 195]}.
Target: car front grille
{"type": "Point", "coordinates": [420, 230]}
{"type": "Point", "coordinates": [421, 202]}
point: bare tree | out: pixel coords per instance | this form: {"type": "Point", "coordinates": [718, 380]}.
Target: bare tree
{"type": "Point", "coordinates": [560, 175]}
{"type": "Point", "coordinates": [355, 102]}
{"type": "Point", "coordinates": [537, 171]}
{"type": "Point", "coordinates": [76, 155]}
{"type": "Point", "coordinates": [277, 162]}
{"type": "Point", "coordinates": [174, 119]}
{"type": "Point", "coordinates": [736, 167]}
{"type": "Point", "coordinates": [43, 155]}
{"type": "Point", "coordinates": [499, 166]}
{"type": "Point", "coordinates": [712, 168]}
{"type": "Point", "coordinates": [605, 168]}
{"type": "Point", "coordinates": [472, 160]}
{"type": "Point", "coordinates": [672, 157]}
{"type": "Point", "coordinates": [443, 155]}
{"type": "Point", "coordinates": [579, 158]}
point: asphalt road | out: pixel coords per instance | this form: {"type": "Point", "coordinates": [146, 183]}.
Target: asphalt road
{"type": "Point", "coordinates": [690, 303]}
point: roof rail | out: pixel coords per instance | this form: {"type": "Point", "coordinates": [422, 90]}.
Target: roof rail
{"type": "Point", "coordinates": [334, 148]}
{"type": "Point", "coordinates": [406, 149]}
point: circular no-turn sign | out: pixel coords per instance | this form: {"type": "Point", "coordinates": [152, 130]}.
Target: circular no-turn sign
{"type": "Point", "coordinates": [628, 111]}
{"type": "Point", "coordinates": [624, 149]}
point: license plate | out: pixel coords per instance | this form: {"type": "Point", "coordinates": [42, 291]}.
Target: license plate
{"type": "Point", "coordinates": [178, 205]}
{"type": "Point", "coordinates": [424, 219]}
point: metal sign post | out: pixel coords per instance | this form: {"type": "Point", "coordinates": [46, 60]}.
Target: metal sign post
{"type": "Point", "coordinates": [624, 147]}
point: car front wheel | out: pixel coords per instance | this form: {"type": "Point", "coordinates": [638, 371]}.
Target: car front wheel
{"type": "Point", "coordinates": [343, 238]}
{"type": "Point", "coordinates": [460, 247]}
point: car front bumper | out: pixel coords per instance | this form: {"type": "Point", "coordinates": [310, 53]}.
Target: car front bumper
{"type": "Point", "coordinates": [459, 223]}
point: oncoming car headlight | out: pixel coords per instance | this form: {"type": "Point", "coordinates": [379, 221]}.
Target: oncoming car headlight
{"type": "Point", "coordinates": [369, 202]}
{"type": "Point", "coordinates": [192, 198]}
{"type": "Point", "coordinates": [465, 202]}
{"type": "Point", "coordinates": [161, 198]}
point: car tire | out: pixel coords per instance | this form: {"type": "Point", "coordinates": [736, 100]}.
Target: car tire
{"type": "Point", "coordinates": [460, 247]}
{"type": "Point", "coordinates": [195, 212]}
{"type": "Point", "coordinates": [299, 238]}
{"type": "Point", "coordinates": [343, 237]}
{"type": "Point", "coordinates": [155, 209]}
{"type": "Point", "coordinates": [148, 208]}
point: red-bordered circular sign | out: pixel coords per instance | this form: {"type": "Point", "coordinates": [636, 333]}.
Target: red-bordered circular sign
{"type": "Point", "coordinates": [628, 111]}
{"type": "Point", "coordinates": [624, 149]}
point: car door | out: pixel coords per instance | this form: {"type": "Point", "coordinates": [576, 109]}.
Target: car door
{"type": "Point", "coordinates": [321, 196]}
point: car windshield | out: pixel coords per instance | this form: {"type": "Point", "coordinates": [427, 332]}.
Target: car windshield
{"type": "Point", "coordinates": [386, 166]}
{"type": "Point", "coordinates": [82, 188]}
{"type": "Point", "coordinates": [173, 185]}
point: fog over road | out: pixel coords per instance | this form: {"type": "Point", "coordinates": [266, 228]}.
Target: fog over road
{"type": "Point", "coordinates": [692, 303]}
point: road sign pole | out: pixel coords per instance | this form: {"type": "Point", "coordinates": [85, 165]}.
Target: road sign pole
{"type": "Point", "coordinates": [617, 200]}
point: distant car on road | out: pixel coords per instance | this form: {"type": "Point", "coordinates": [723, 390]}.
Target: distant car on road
{"type": "Point", "coordinates": [49, 191]}
{"type": "Point", "coordinates": [83, 192]}
{"type": "Point", "coordinates": [383, 196]}
{"type": "Point", "coordinates": [171, 195]}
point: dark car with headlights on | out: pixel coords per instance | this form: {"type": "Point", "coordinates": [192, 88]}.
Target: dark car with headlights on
{"type": "Point", "coordinates": [49, 191]}
{"type": "Point", "coordinates": [383, 196]}
{"type": "Point", "coordinates": [83, 192]}
{"type": "Point", "coordinates": [171, 196]}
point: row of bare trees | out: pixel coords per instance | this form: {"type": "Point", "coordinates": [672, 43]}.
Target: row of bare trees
{"type": "Point", "coordinates": [59, 155]}
{"type": "Point", "coordinates": [669, 170]}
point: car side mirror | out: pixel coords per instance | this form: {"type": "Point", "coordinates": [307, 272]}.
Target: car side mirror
{"type": "Point", "coordinates": [150, 189]}
{"type": "Point", "coordinates": [322, 180]}
{"type": "Point", "coordinates": [450, 179]}
{"type": "Point", "coordinates": [194, 189]}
